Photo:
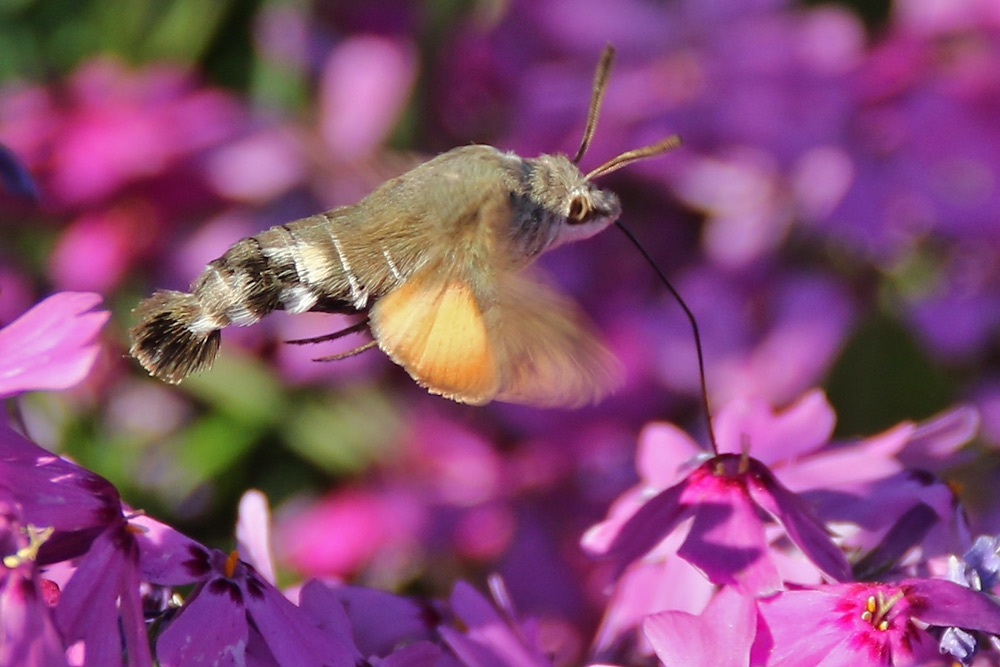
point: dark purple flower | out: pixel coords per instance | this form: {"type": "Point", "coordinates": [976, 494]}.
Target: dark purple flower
{"type": "Point", "coordinates": [14, 176]}
{"type": "Point", "coordinates": [250, 620]}
{"type": "Point", "coordinates": [869, 623]}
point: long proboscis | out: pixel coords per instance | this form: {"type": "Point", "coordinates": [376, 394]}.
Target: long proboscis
{"type": "Point", "coordinates": [596, 97]}
{"type": "Point", "coordinates": [634, 155]}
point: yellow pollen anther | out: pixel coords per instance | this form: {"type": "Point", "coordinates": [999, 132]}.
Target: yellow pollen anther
{"type": "Point", "coordinates": [870, 604]}
{"type": "Point", "coordinates": [883, 626]}
{"type": "Point", "coordinates": [876, 610]}
{"type": "Point", "coordinates": [231, 561]}
{"type": "Point", "coordinates": [866, 616]}
{"type": "Point", "coordinates": [36, 538]}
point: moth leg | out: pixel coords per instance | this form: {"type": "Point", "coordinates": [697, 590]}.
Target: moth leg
{"type": "Point", "coordinates": [354, 328]}
{"type": "Point", "coordinates": [350, 353]}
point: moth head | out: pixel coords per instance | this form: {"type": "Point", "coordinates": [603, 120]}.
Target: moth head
{"type": "Point", "coordinates": [585, 208]}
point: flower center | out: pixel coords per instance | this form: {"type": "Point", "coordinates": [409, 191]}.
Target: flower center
{"type": "Point", "coordinates": [877, 610]}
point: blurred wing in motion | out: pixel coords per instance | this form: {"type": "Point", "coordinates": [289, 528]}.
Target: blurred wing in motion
{"type": "Point", "coordinates": [546, 353]}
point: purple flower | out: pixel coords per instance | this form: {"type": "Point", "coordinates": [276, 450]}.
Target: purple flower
{"type": "Point", "coordinates": [250, 620]}
{"type": "Point", "coordinates": [490, 639]}
{"type": "Point", "coordinates": [869, 623]}
{"type": "Point", "coordinates": [100, 605]}
{"type": "Point", "coordinates": [51, 345]}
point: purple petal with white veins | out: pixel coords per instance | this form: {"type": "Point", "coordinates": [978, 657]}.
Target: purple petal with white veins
{"type": "Point", "coordinates": [801, 526]}
{"type": "Point", "coordinates": [650, 524]}
{"type": "Point", "coordinates": [49, 347]}
{"type": "Point", "coordinates": [727, 542]}
{"type": "Point", "coordinates": [253, 533]}
{"type": "Point", "coordinates": [720, 637]}
{"type": "Point", "coordinates": [950, 604]}
{"type": "Point", "coordinates": [185, 640]}
{"type": "Point", "coordinates": [290, 634]}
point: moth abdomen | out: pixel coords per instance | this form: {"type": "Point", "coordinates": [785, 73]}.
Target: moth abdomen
{"type": "Point", "coordinates": [178, 332]}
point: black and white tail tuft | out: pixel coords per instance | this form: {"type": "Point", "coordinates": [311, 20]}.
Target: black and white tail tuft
{"type": "Point", "coordinates": [171, 340]}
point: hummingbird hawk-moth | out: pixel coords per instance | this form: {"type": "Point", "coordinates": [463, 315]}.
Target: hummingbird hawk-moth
{"type": "Point", "coordinates": [433, 259]}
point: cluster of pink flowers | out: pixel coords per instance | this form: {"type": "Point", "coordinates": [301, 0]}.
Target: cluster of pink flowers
{"type": "Point", "coordinates": [781, 549]}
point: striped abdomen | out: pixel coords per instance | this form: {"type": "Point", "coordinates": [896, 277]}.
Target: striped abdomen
{"type": "Point", "coordinates": [297, 267]}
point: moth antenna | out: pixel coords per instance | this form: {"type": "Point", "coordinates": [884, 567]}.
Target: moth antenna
{"type": "Point", "coordinates": [596, 97]}
{"type": "Point", "coordinates": [694, 328]}
{"type": "Point", "coordinates": [350, 353]}
{"type": "Point", "coordinates": [634, 155]}
{"type": "Point", "coordinates": [354, 328]}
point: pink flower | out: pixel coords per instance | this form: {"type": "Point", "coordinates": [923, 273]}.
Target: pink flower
{"type": "Point", "coordinates": [50, 346]}
{"type": "Point", "coordinates": [870, 623]}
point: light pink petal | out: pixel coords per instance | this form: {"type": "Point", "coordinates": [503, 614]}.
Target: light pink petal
{"type": "Point", "coordinates": [935, 441]}
{"type": "Point", "coordinates": [663, 449]}
{"type": "Point", "coordinates": [651, 523]}
{"type": "Point", "coordinates": [646, 587]}
{"type": "Point", "coordinates": [253, 533]}
{"type": "Point", "coordinates": [803, 627]}
{"type": "Point", "coordinates": [720, 637]}
{"type": "Point", "coordinates": [27, 629]}
{"type": "Point", "coordinates": [488, 641]}
{"type": "Point", "coordinates": [366, 82]}
{"type": "Point", "coordinates": [49, 346]}
{"type": "Point", "coordinates": [800, 429]}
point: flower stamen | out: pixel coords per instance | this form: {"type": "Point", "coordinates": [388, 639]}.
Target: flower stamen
{"type": "Point", "coordinates": [877, 610]}
{"type": "Point", "coordinates": [231, 561]}
{"type": "Point", "coordinates": [36, 538]}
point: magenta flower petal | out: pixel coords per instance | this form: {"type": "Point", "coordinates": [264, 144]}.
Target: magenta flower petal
{"type": "Point", "coordinates": [163, 552]}
{"type": "Point", "coordinates": [720, 637]}
{"type": "Point", "coordinates": [799, 523]}
{"type": "Point", "coordinates": [49, 347]}
{"type": "Point", "coordinates": [776, 436]}
{"type": "Point", "coordinates": [185, 642]}
{"type": "Point", "coordinates": [948, 604]}
{"type": "Point", "coordinates": [650, 524]}
{"type": "Point", "coordinates": [28, 635]}
{"type": "Point", "coordinates": [727, 540]}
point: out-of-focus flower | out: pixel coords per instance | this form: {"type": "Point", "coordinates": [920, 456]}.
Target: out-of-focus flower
{"type": "Point", "coordinates": [870, 623]}
{"type": "Point", "coordinates": [51, 345]}
{"type": "Point", "coordinates": [14, 177]}
{"type": "Point", "coordinates": [978, 570]}
{"type": "Point", "coordinates": [489, 638]}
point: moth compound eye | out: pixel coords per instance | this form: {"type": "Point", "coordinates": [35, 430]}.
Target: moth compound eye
{"type": "Point", "coordinates": [578, 210]}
